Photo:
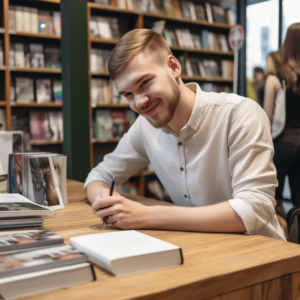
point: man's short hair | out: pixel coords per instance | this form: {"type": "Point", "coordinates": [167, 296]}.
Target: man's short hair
{"type": "Point", "coordinates": [134, 42]}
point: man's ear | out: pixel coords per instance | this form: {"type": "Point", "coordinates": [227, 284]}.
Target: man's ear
{"type": "Point", "coordinates": [175, 66]}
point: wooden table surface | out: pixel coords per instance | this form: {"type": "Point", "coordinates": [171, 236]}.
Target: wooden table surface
{"type": "Point", "coordinates": [216, 266]}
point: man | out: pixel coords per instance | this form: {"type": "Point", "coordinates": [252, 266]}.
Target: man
{"type": "Point", "coordinates": [212, 152]}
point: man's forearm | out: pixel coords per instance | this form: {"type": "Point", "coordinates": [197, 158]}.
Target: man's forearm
{"type": "Point", "coordinates": [94, 189]}
{"type": "Point", "coordinates": [213, 218]}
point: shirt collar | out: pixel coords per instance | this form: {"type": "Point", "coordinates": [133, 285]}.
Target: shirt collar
{"type": "Point", "coordinates": [195, 117]}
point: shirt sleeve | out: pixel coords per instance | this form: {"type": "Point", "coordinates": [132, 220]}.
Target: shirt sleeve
{"type": "Point", "coordinates": [128, 158]}
{"type": "Point", "coordinates": [251, 165]}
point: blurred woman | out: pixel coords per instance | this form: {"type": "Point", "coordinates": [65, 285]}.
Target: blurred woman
{"type": "Point", "coordinates": [287, 144]}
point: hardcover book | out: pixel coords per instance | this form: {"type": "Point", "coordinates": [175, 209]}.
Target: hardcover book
{"type": "Point", "coordinates": [24, 89]}
{"type": "Point", "coordinates": [43, 90]}
{"type": "Point", "coordinates": [37, 59]}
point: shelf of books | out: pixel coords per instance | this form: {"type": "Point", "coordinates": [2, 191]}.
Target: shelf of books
{"type": "Point", "coordinates": [197, 35]}
{"type": "Point", "coordinates": [30, 85]}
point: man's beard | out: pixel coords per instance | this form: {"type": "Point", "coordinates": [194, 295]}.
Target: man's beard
{"type": "Point", "coordinates": [171, 106]}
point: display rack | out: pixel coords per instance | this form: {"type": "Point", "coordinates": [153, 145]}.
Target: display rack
{"type": "Point", "coordinates": [14, 108]}
{"type": "Point", "coordinates": [100, 147]}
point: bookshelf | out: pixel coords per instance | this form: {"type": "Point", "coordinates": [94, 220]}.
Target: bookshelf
{"type": "Point", "coordinates": [10, 36]}
{"type": "Point", "coordinates": [138, 19]}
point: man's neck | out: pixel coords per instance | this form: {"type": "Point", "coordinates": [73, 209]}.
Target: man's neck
{"type": "Point", "coordinates": [184, 109]}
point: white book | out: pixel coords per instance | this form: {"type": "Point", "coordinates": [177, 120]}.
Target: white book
{"type": "Point", "coordinates": [192, 11]}
{"type": "Point", "coordinates": [208, 13]}
{"type": "Point", "coordinates": [189, 40]}
{"type": "Point", "coordinates": [127, 252]}
{"type": "Point", "coordinates": [19, 18]}
{"type": "Point", "coordinates": [26, 19]}
{"type": "Point", "coordinates": [34, 23]}
{"type": "Point", "coordinates": [188, 67]}
{"type": "Point", "coordinates": [19, 55]}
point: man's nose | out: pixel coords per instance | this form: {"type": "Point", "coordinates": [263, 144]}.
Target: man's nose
{"type": "Point", "coordinates": [141, 100]}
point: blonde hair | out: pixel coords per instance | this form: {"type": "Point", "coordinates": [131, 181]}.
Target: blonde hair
{"type": "Point", "coordinates": [134, 42]}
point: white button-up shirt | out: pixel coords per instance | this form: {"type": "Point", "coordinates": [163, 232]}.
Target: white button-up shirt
{"type": "Point", "coordinates": [224, 152]}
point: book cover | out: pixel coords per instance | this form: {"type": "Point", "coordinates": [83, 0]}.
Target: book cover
{"type": "Point", "coordinates": [218, 14]}
{"type": "Point", "coordinates": [29, 239]}
{"type": "Point", "coordinates": [45, 22]}
{"type": "Point", "coordinates": [19, 18]}
{"type": "Point", "coordinates": [38, 260]}
{"type": "Point", "coordinates": [104, 124]}
{"type": "Point", "coordinates": [1, 54]}
{"type": "Point", "coordinates": [43, 91]}
{"type": "Point", "coordinates": [24, 89]}
{"type": "Point", "coordinates": [56, 23]}
{"type": "Point", "coordinates": [19, 55]}
{"type": "Point", "coordinates": [119, 122]}
{"type": "Point", "coordinates": [104, 28]}
{"type": "Point", "coordinates": [2, 120]}
{"type": "Point", "coordinates": [185, 9]}
{"type": "Point", "coordinates": [208, 12]}
{"type": "Point", "coordinates": [12, 18]}
{"type": "Point", "coordinates": [52, 58]}
{"type": "Point", "coordinates": [37, 59]}
{"type": "Point", "coordinates": [26, 19]}
{"type": "Point", "coordinates": [60, 168]}
{"type": "Point", "coordinates": [56, 125]}
{"type": "Point", "coordinates": [168, 7]}
{"type": "Point", "coordinates": [57, 91]}
{"type": "Point", "coordinates": [34, 23]}
{"type": "Point", "coordinates": [38, 122]}
{"type": "Point", "coordinates": [192, 10]}
{"type": "Point", "coordinates": [200, 12]}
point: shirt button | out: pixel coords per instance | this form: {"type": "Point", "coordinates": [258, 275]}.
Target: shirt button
{"type": "Point", "coordinates": [185, 196]}
{"type": "Point", "coordinates": [179, 144]}
{"type": "Point", "coordinates": [181, 169]}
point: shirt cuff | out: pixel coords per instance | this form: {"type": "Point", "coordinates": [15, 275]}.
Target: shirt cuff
{"type": "Point", "coordinates": [98, 174]}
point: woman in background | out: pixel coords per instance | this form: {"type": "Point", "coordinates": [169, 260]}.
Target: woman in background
{"type": "Point", "coordinates": [287, 145]}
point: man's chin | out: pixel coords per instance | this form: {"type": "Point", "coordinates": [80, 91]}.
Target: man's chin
{"type": "Point", "coordinates": [156, 123]}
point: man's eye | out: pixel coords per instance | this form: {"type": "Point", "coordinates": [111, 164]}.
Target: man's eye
{"type": "Point", "coordinates": [144, 82]}
{"type": "Point", "coordinates": [127, 95]}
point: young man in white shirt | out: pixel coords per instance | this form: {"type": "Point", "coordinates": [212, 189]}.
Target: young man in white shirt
{"type": "Point", "coordinates": [212, 152]}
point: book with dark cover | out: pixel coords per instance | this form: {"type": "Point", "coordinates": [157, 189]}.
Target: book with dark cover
{"type": "Point", "coordinates": [21, 122]}
{"type": "Point", "coordinates": [37, 59]}
{"type": "Point", "coordinates": [38, 260]}
{"type": "Point", "coordinates": [119, 122]}
{"type": "Point", "coordinates": [29, 239]}
{"type": "Point", "coordinates": [45, 22]}
{"type": "Point", "coordinates": [218, 14]}
{"type": "Point", "coordinates": [185, 9]}
{"type": "Point", "coordinates": [200, 12]}
{"type": "Point", "coordinates": [43, 91]}
{"type": "Point", "coordinates": [52, 58]}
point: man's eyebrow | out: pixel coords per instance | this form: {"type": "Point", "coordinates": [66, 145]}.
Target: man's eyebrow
{"type": "Point", "coordinates": [136, 82]}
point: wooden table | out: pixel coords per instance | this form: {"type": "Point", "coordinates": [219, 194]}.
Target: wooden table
{"type": "Point", "coordinates": [216, 266]}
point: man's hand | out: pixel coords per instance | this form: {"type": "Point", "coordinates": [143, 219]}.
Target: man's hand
{"type": "Point", "coordinates": [124, 213]}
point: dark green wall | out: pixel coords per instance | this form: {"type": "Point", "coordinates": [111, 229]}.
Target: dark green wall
{"type": "Point", "coordinates": [74, 45]}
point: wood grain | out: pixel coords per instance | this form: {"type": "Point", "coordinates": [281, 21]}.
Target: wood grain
{"type": "Point", "coordinates": [216, 266]}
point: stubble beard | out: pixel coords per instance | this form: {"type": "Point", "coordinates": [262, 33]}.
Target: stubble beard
{"type": "Point", "coordinates": [171, 106]}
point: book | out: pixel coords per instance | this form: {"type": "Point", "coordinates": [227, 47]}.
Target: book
{"type": "Point", "coordinates": [52, 257]}
{"type": "Point", "coordinates": [12, 18]}
{"type": "Point", "coordinates": [26, 19]}
{"type": "Point", "coordinates": [1, 54]}
{"type": "Point", "coordinates": [119, 122]}
{"type": "Point", "coordinates": [34, 23]}
{"type": "Point", "coordinates": [218, 14]}
{"type": "Point", "coordinates": [56, 125]}
{"type": "Point", "coordinates": [192, 10]}
{"type": "Point", "coordinates": [52, 58]}
{"type": "Point", "coordinates": [43, 90]}
{"type": "Point", "coordinates": [208, 12]}
{"type": "Point", "coordinates": [19, 18]}
{"type": "Point", "coordinates": [159, 26]}
{"type": "Point", "coordinates": [57, 23]}
{"type": "Point", "coordinates": [200, 12]}
{"type": "Point", "coordinates": [104, 124]}
{"type": "Point", "coordinates": [37, 59]}
{"type": "Point", "coordinates": [24, 89]}
{"type": "Point", "coordinates": [185, 7]}
{"type": "Point", "coordinates": [168, 7]}
{"type": "Point", "coordinates": [39, 125]}
{"type": "Point", "coordinates": [45, 22]}
{"type": "Point", "coordinates": [21, 122]}
{"type": "Point", "coordinates": [57, 90]}
{"type": "Point", "coordinates": [47, 280]}
{"type": "Point", "coordinates": [19, 55]}
{"type": "Point", "coordinates": [127, 252]}
{"type": "Point", "coordinates": [24, 240]}
{"type": "Point", "coordinates": [18, 206]}
{"type": "Point", "coordinates": [12, 60]}
{"type": "Point", "coordinates": [104, 28]}
{"type": "Point", "coordinates": [2, 120]}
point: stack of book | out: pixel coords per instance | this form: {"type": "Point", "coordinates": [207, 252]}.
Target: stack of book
{"type": "Point", "coordinates": [99, 60]}
{"type": "Point", "coordinates": [104, 91]}
{"type": "Point", "coordinates": [112, 123]}
{"type": "Point", "coordinates": [177, 8]}
{"type": "Point", "coordinates": [17, 211]}
{"type": "Point", "coordinates": [45, 91]}
{"type": "Point", "coordinates": [38, 261]}
{"type": "Point", "coordinates": [40, 177]}
{"type": "Point", "coordinates": [29, 19]}
{"type": "Point", "coordinates": [107, 27]}
{"type": "Point", "coordinates": [34, 56]}
{"type": "Point", "coordinates": [46, 125]}
{"type": "Point", "coordinates": [206, 68]}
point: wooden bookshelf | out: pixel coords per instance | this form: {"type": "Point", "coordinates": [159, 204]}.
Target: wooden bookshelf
{"type": "Point", "coordinates": [14, 108]}
{"type": "Point", "coordinates": [34, 104]}
{"type": "Point", "coordinates": [36, 35]}
{"type": "Point", "coordinates": [45, 142]}
{"type": "Point", "coordinates": [37, 70]}
{"type": "Point", "coordinates": [137, 20]}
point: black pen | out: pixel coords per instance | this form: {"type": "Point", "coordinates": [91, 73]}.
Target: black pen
{"type": "Point", "coordinates": [110, 193]}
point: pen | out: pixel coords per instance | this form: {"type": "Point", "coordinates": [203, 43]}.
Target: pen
{"type": "Point", "coordinates": [110, 193]}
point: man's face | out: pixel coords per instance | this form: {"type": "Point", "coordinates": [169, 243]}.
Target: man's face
{"type": "Point", "coordinates": [149, 88]}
